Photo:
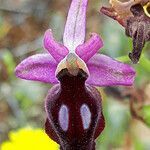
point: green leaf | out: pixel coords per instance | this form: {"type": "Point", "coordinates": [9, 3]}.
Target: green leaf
{"type": "Point", "coordinates": [146, 114]}
{"type": "Point", "coordinates": [145, 63]}
{"type": "Point", "coordinates": [123, 58]}
{"type": "Point", "coordinates": [9, 62]}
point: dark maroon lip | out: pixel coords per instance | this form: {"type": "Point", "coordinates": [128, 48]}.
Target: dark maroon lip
{"type": "Point", "coordinates": [74, 112]}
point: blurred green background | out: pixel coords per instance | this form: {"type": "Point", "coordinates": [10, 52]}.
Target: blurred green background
{"type": "Point", "coordinates": [22, 25]}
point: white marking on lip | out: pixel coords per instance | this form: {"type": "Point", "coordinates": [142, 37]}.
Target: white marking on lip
{"type": "Point", "coordinates": [86, 116]}
{"type": "Point", "coordinates": [64, 117]}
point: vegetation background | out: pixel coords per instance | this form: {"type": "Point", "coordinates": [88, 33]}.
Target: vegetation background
{"type": "Point", "coordinates": [22, 25]}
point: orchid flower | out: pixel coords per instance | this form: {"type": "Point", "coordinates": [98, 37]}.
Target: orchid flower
{"type": "Point", "coordinates": [134, 15]}
{"type": "Point", "coordinates": [73, 105]}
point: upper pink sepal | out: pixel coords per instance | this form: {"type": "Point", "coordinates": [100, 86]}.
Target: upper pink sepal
{"type": "Point", "coordinates": [39, 67]}
{"type": "Point", "coordinates": [74, 33]}
{"type": "Point", "coordinates": [105, 71]}
{"type": "Point", "coordinates": [57, 50]}
{"type": "Point", "coordinates": [89, 48]}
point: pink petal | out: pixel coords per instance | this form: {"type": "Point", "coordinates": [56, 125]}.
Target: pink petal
{"type": "Point", "coordinates": [105, 71]}
{"type": "Point", "coordinates": [57, 50]}
{"type": "Point", "coordinates": [74, 33]}
{"type": "Point", "coordinates": [40, 67]}
{"type": "Point", "coordinates": [90, 48]}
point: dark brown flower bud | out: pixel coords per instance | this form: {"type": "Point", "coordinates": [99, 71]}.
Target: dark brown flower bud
{"type": "Point", "coordinates": [134, 16]}
{"type": "Point", "coordinates": [138, 28]}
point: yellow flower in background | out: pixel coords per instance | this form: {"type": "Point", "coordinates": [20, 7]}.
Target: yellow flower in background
{"type": "Point", "coordinates": [29, 139]}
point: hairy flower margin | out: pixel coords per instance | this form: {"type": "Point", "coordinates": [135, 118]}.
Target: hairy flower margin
{"type": "Point", "coordinates": [134, 16]}
{"type": "Point", "coordinates": [73, 105]}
